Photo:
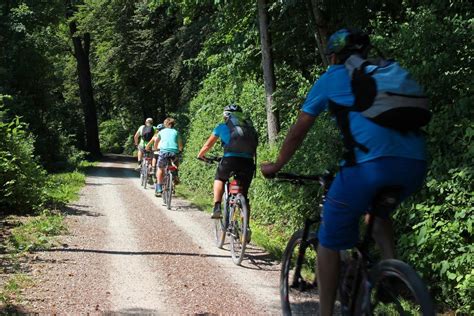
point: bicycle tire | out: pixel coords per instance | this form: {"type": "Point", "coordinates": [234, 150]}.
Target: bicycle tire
{"type": "Point", "coordinates": [163, 189]}
{"type": "Point", "coordinates": [398, 288]}
{"type": "Point", "coordinates": [142, 173]}
{"type": "Point", "coordinates": [145, 176]}
{"type": "Point", "coordinates": [238, 223]}
{"type": "Point", "coordinates": [169, 190]}
{"type": "Point", "coordinates": [300, 297]}
{"type": "Point", "coordinates": [220, 226]}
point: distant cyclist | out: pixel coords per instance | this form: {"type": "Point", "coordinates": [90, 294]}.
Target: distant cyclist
{"type": "Point", "coordinates": [143, 135]}
{"type": "Point", "coordinates": [159, 127]}
{"type": "Point", "coordinates": [169, 143]}
{"type": "Point", "coordinates": [377, 157]}
{"type": "Point", "coordinates": [240, 141]}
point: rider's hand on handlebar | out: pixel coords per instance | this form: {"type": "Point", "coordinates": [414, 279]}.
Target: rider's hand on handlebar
{"type": "Point", "coordinates": [269, 169]}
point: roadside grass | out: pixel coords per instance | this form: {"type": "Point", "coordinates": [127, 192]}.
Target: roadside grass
{"type": "Point", "coordinates": [267, 237]}
{"type": "Point", "coordinates": [11, 291]}
{"type": "Point", "coordinates": [62, 188]}
{"type": "Point", "coordinates": [36, 232]}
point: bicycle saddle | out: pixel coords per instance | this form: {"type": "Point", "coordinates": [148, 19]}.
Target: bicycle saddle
{"type": "Point", "coordinates": [386, 200]}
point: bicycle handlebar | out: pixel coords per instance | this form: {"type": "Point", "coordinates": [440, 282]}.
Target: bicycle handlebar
{"type": "Point", "coordinates": [210, 160]}
{"type": "Point", "coordinates": [323, 179]}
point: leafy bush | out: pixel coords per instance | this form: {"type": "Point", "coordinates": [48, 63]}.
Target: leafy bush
{"type": "Point", "coordinates": [36, 233]}
{"type": "Point", "coordinates": [62, 188]}
{"type": "Point", "coordinates": [113, 136]}
{"type": "Point", "coordinates": [21, 177]}
{"type": "Point", "coordinates": [436, 228]}
{"type": "Point", "coordinates": [273, 206]}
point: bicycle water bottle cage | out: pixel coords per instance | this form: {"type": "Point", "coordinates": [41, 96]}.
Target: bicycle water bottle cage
{"type": "Point", "coordinates": [234, 187]}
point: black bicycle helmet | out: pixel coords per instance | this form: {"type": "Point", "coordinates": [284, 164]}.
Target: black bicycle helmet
{"type": "Point", "coordinates": [231, 108]}
{"type": "Point", "coordinates": [345, 42]}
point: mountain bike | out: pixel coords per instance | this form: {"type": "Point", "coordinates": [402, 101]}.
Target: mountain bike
{"type": "Point", "coordinates": [169, 179]}
{"type": "Point", "coordinates": [366, 287]}
{"type": "Point", "coordinates": [146, 169]}
{"type": "Point", "coordinates": [235, 217]}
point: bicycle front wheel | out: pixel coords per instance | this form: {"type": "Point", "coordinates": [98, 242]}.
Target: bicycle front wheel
{"type": "Point", "coordinates": [396, 289]}
{"type": "Point", "coordinates": [220, 226]}
{"type": "Point", "coordinates": [239, 220]}
{"type": "Point", "coordinates": [298, 284]}
{"type": "Point", "coordinates": [142, 174]}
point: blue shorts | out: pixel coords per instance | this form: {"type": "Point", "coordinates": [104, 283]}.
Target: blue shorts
{"type": "Point", "coordinates": [353, 191]}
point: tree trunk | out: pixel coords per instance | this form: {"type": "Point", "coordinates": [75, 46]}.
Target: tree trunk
{"type": "Point", "coordinates": [273, 124]}
{"type": "Point", "coordinates": [321, 28]}
{"type": "Point", "coordinates": [81, 53]}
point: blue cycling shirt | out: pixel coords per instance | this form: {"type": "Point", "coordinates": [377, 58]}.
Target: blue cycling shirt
{"type": "Point", "coordinates": [335, 85]}
{"type": "Point", "coordinates": [223, 132]}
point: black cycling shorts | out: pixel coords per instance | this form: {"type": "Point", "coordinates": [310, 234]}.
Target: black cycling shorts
{"type": "Point", "coordinates": [244, 169]}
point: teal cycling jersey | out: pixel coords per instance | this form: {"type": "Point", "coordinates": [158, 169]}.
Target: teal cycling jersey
{"type": "Point", "coordinates": [169, 140]}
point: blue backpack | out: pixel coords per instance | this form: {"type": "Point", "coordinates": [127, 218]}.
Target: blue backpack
{"type": "Point", "coordinates": [386, 94]}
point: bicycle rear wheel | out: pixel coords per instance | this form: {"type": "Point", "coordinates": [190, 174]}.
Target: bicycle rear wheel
{"type": "Point", "coordinates": [169, 190]}
{"type": "Point", "coordinates": [220, 226]}
{"type": "Point", "coordinates": [239, 219]}
{"type": "Point", "coordinates": [299, 291]}
{"type": "Point", "coordinates": [163, 188]}
{"type": "Point", "coordinates": [396, 289]}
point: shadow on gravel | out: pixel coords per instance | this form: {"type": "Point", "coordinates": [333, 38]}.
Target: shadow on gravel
{"type": "Point", "coordinates": [134, 253]}
{"type": "Point", "coordinates": [130, 311]}
{"type": "Point", "coordinates": [112, 172]}
{"type": "Point", "coordinates": [77, 210]}
{"type": "Point", "coordinates": [259, 260]}
{"type": "Point", "coordinates": [13, 310]}
{"type": "Point", "coordinates": [101, 184]}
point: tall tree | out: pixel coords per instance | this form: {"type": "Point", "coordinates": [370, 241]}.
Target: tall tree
{"type": "Point", "coordinates": [81, 44]}
{"type": "Point", "coordinates": [320, 27]}
{"type": "Point", "coordinates": [273, 124]}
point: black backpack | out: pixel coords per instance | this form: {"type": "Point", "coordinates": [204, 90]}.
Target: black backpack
{"type": "Point", "coordinates": [243, 136]}
{"type": "Point", "coordinates": [147, 133]}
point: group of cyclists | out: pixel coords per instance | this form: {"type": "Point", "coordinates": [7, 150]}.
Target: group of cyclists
{"type": "Point", "coordinates": [378, 157]}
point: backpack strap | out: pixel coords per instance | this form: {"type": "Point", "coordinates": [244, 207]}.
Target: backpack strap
{"type": "Point", "coordinates": [341, 114]}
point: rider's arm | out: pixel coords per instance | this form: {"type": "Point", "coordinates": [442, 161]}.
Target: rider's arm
{"type": "Point", "coordinates": [135, 137]}
{"type": "Point", "coordinates": [157, 141]}
{"type": "Point", "coordinates": [153, 139]}
{"type": "Point", "coordinates": [293, 140]}
{"type": "Point", "coordinates": [208, 145]}
{"type": "Point", "coordinates": [180, 144]}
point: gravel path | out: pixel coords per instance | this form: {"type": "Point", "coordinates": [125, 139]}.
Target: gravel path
{"type": "Point", "coordinates": [126, 254]}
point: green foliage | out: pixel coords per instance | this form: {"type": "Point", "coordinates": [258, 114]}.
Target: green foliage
{"type": "Point", "coordinates": [62, 188]}
{"type": "Point", "coordinates": [37, 232]}
{"type": "Point", "coordinates": [113, 136]}
{"type": "Point", "coordinates": [21, 177]}
{"type": "Point", "coordinates": [436, 234]}
{"type": "Point", "coordinates": [319, 151]}
{"type": "Point", "coordinates": [11, 291]}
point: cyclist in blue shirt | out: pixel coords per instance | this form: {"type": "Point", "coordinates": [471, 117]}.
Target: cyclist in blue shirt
{"type": "Point", "coordinates": [392, 159]}
{"type": "Point", "coordinates": [239, 153]}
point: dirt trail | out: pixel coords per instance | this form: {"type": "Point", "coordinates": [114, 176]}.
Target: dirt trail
{"type": "Point", "coordinates": [126, 254]}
